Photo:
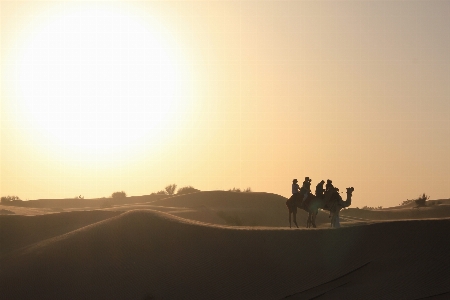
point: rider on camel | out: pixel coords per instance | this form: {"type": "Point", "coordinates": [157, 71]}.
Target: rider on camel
{"type": "Point", "coordinates": [295, 196]}
{"type": "Point", "coordinates": [329, 186]}
{"type": "Point", "coordinates": [329, 190]}
{"type": "Point", "coordinates": [295, 188]}
{"type": "Point", "coordinates": [319, 189]}
{"type": "Point", "coordinates": [306, 188]}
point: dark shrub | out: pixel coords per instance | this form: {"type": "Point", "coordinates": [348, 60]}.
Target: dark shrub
{"type": "Point", "coordinates": [119, 195]}
{"type": "Point", "coordinates": [170, 189]}
{"type": "Point", "coordinates": [421, 201]}
{"type": "Point", "coordinates": [187, 190]}
{"type": "Point", "coordinates": [8, 199]}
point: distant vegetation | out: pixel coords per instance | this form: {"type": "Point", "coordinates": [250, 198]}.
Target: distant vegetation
{"type": "Point", "coordinates": [421, 200]}
{"type": "Point", "coordinates": [187, 190]}
{"type": "Point", "coordinates": [119, 195]}
{"type": "Point", "coordinates": [406, 202]}
{"type": "Point", "coordinates": [8, 199]}
{"type": "Point", "coordinates": [170, 189]}
{"type": "Point", "coordinates": [247, 190]}
{"type": "Point", "coordinates": [372, 208]}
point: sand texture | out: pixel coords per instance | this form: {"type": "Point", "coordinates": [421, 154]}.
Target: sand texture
{"type": "Point", "coordinates": [181, 248]}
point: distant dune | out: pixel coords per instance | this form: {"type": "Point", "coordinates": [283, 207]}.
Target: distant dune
{"type": "Point", "coordinates": [398, 213]}
{"type": "Point", "coordinates": [161, 249]}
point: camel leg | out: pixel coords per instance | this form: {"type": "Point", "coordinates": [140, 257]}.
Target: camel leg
{"type": "Point", "coordinates": [295, 218]}
{"type": "Point", "coordinates": [313, 220]}
{"type": "Point", "coordinates": [308, 222]}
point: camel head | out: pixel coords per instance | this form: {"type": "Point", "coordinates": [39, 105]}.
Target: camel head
{"type": "Point", "coordinates": [350, 190]}
{"type": "Point", "coordinates": [349, 196]}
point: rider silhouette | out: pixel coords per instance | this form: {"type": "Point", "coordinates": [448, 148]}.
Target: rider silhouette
{"type": "Point", "coordinates": [329, 186]}
{"type": "Point", "coordinates": [306, 188]}
{"type": "Point", "coordinates": [319, 189]}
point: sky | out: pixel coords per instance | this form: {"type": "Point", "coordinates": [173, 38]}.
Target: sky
{"type": "Point", "coordinates": [106, 96]}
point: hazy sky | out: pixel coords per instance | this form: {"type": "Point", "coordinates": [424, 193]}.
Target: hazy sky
{"type": "Point", "coordinates": [98, 97]}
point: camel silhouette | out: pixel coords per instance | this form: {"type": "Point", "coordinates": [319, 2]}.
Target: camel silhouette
{"type": "Point", "coordinates": [331, 202]}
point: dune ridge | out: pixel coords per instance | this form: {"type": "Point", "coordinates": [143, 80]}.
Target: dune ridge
{"type": "Point", "coordinates": [143, 253]}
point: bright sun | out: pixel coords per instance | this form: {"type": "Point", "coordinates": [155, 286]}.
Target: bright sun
{"type": "Point", "coordinates": [95, 81]}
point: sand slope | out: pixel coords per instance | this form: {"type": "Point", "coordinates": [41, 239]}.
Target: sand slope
{"type": "Point", "coordinates": [145, 254]}
{"type": "Point", "coordinates": [19, 231]}
{"type": "Point", "coordinates": [231, 208]}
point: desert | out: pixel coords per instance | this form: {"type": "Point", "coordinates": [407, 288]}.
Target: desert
{"type": "Point", "coordinates": [220, 245]}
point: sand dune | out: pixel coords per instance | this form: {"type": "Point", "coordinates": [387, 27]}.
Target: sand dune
{"type": "Point", "coordinates": [435, 211]}
{"type": "Point", "coordinates": [145, 254]}
{"type": "Point", "coordinates": [231, 208]}
{"type": "Point", "coordinates": [19, 231]}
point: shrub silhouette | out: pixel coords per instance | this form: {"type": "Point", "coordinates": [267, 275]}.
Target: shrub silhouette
{"type": "Point", "coordinates": [8, 199]}
{"type": "Point", "coordinates": [119, 195]}
{"type": "Point", "coordinates": [406, 202]}
{"type": "Point", "coordinates": [187, 190]}
{"type": "Point", "coordinates": [247, 190]}
{"type": "Point", "coordinates": [372, 208]}
{"type": "Point", "coordinates": [161, 192]}
{"type": "Point", "coordinates": [421, 201]}
{"type": "Point", "coordinates": [235, 190]}
{"type": "Point", "coordinates": [170, 189]}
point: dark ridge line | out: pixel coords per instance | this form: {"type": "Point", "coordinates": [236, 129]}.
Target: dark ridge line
{"type": "Point", "coordinates": [444, 293]}
{"type": "Point", "coordinates": [348, 273]}
{"type": "Point", "coordinates": [320, 295]}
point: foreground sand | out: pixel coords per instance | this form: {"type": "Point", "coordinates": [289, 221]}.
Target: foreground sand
{"type": "Point", "coordinates": [150, 254]}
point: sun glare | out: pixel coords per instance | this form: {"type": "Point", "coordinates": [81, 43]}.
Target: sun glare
{"type": "Point", "coordinates": [95, 81]}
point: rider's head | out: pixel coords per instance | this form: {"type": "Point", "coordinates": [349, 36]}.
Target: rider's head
{"type": "Point", "coordinates": [294, 181]}
{"type": "Point", "coordinates": [329, 181]}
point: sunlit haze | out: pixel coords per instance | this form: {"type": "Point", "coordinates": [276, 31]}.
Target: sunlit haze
{"type": "Point", "coordinates": [98, 97]}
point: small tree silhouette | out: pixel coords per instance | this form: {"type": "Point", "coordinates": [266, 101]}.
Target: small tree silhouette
{"type": "Point", "coordinates": [170, 189]}
{"type": "Point", "coordinates": [119, 195]}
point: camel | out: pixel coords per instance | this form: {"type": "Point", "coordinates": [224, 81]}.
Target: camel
{"type": "Point", "coordinates": [311, 205]}
{"type": "Point", "coordinates": [332, 202]}
{"type": "Point", "coordinates": [337, 206]}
